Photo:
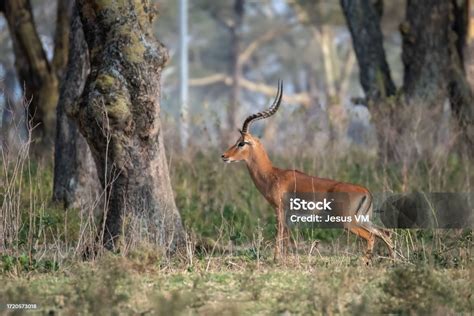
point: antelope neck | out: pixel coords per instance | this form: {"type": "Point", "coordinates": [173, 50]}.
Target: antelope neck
{"type": "Point", "coordinates": [259, 166]}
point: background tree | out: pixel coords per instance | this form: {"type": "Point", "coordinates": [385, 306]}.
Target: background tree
{"type": "Point", "coordinates": [38, 76]}
{"type": "Point", "coordinates": [74, 182]}
{"type": "Point", "coordinates": [256, 40]}
{"type": "Point", "coordinates": [434, 38]}
{"type": "Point", "coordinates": [119, 117]}
{"type": "Point", "coordinates": [235, 29]}
{"type": "Point", "coordinates": [460, 90]}
{"type": "Point", "coordinates": [469, 45]}
{"type": "Point", "coordinates": [75, 177]}
{"type": "Point", "coordinates": [363, 18]}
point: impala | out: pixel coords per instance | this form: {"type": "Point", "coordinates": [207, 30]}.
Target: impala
{"type": "Point", "coordinates": [273, 183]}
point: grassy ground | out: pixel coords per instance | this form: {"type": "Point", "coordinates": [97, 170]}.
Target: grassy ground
{"type": "Point", "coordinates": [234, 285]}
{"type": "Point", "coordinates": [325, 275]}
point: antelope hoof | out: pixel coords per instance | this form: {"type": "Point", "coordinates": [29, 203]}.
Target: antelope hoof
{"type": "Point", "coordinates": [367, 261]}
{"type": "Point", "coordinates": [368, 258]}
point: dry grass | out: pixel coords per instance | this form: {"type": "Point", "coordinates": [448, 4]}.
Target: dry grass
{"type": "Point", "coordinates": [236, 285]}
{"type": "Point", "coordinates": [42, 247]}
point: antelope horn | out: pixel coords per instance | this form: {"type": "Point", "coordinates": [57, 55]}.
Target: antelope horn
{"type": "Point", "coordinates": [264, 114]}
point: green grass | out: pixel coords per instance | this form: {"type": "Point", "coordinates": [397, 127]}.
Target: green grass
{"type": "Point", "coordinates": [234, 286]}
{"type": "Point", "coordinates": [217, 199]}
{"type": "Point", "coordinates": [219, 202]}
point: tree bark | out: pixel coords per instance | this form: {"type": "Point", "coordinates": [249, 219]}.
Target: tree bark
{"type": "Point", "coordinates": [460, 91]}
{"type": "Point", "coordinates": [61, 37]}
{"type": "Point", "coordinates": [469, 48]}
{"type": "Point", "coordinates": [75, 177]}
{"type": "Point", "coordinates": [34, 71]}
{"type": "Point", "coordinates": [119, 117]}
{"type": "Point", "coordinates": [433, 42]}
{"type": "Point", "coordinates": [363, 19]}
{"type": "Point", "coordinates": [425, 54]}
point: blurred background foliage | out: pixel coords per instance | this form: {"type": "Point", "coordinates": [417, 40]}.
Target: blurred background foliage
{"type": "Point", "coordinates": [326, 127]}
{"type": "Point", "coordinates": [323, 127]}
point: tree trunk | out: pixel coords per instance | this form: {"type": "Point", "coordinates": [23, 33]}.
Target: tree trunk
{"type": "Point", "coordinates": [326, 37]}
{"type": "Point", "coordinates": [34, 71]}
{"type": "Point", "coordinates": [460, 91]}
{"type": "Point", "coordinates": [61, 37]}
{"type": "Point", "coordinates": [433, 42]}
{"type": "Point", "coordinates": [426, 51]}
{"type": "Point", "coordinates": [469, 49]}
{"type": "Point", "coordinates": [236, 67]}
{"type": "Point", "coordinates": [119, 117]}
{"type": "Point", "coordinates": [13, 131]}
{"type": "Point", "coordinates": [75, 177]}
{"type": "Point", "coordinates": [363, 19]}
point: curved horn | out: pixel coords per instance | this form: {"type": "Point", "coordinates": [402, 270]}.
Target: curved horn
{"type": "Point", "coordinates": [264, 114]}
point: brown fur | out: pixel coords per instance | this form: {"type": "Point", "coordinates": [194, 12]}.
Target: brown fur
{"type": "Point", "coordinates": [273, 183]}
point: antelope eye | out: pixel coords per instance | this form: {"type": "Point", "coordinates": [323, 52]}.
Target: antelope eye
{"type": "Point", "coordinates": [241, 144]}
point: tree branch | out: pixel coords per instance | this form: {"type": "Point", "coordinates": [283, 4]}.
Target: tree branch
{"type": "Point", "coordinates": [205, 81]}
{"type": "Point", "coordinates": [298, 98]}
{"type": "Point", "coordinates": [252, 47]}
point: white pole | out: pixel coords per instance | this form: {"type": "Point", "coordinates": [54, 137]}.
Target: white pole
{"type": "Point", "coordinates": [184, 72]}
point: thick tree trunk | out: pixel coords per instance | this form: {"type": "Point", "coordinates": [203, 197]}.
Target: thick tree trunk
{"type": "Point", "coordinates": [460, 91]}
{"type": "Point", "coordinates": [363, 19]}
{"type": "Point", "coordinates": [433, 39]}
{"type": "Point", "coordinates": [119, 117]}
{"type": "Point", "coordinates": [426, 51]}
{"type": "Point", "coordinates": [75, 177]}
{"type": "Point", "coordinates": [34, 71]}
